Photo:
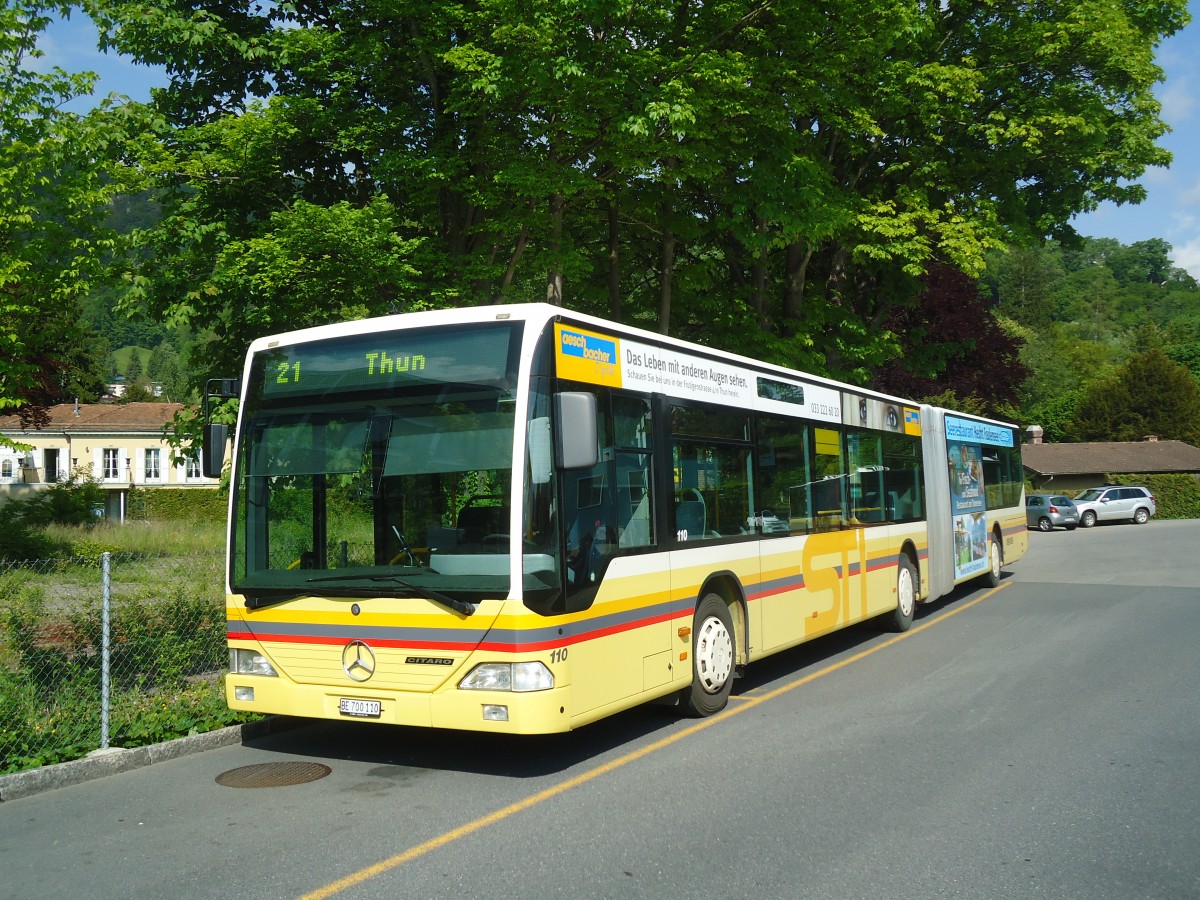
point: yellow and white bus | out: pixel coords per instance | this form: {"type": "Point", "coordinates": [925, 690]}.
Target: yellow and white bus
{"type": "Point", "coordinates": [520, 519]}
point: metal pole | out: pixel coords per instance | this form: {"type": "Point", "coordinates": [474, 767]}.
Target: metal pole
{"type": "Point", "coordinates": [105, 620]}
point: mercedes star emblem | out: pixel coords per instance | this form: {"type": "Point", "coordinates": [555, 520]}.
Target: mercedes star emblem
{"type": "Point", "coordinates": [358, 660]}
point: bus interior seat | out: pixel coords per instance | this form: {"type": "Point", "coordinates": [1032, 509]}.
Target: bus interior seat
{"type": "Point", "coordinates": [440, 538]}
{"type": "Point", "coordinates": [477, 522]}
{"type": "Point", "coordinates": [900, 505]}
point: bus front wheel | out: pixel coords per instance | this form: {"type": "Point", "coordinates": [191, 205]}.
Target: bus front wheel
{"type": "Point", "coordinates": [712, 658]}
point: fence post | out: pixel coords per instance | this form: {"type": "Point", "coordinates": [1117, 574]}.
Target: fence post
{"type": "Point", "coordinates": [105, 622]}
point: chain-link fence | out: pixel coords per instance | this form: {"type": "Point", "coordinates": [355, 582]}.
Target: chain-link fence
{"type": "Point", "coordinates": [117, 650]}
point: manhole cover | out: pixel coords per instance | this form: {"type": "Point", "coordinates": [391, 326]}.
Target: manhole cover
{"type": "Point", "coordinates": [273, 774]}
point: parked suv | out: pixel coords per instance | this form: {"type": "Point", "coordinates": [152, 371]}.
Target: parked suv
{"type": "Point", "coordinates": [1112, 503]}
{"type": "Point", "coordinates": [1045, 512]}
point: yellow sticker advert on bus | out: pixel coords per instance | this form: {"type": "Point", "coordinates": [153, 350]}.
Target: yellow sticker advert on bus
{"type": "Point", "coordinates": [583, 355]}
{"type": "Point", "coordinates": [912, 421]}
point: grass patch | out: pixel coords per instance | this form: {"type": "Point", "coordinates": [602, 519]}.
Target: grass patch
{"type": "Point", "coordinates": [141, 538]}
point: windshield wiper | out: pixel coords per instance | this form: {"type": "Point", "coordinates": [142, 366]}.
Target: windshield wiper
{"type": "Point", "coordinates": [455, 604]}
{"type": "Point", "coordinates": [258, 598]}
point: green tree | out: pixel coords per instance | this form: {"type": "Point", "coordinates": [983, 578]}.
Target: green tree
{"type": "Point", "coordinates": [1181, 342]}
{"type": "Point", "coordinates": [1020, 279]}
{"type": "Point", "coordinates": [772, 177]}
{"type": "Point", "coordinates": [58, 172]}
{"type": "Point", "coordinates": [133, 371]}
{"type": "Point", "coordinates": [1061, 361]}
{"type": "Point", "coordinates": [1149, 394]}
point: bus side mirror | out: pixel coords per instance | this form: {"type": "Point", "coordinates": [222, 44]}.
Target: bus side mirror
{"type": "Point", "coordinates": [212, 449]}
{"type": "Point", "coordinates": [576, 439]}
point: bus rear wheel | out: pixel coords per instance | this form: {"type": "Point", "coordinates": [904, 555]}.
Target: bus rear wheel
{"type": "Point", "coordinates": [712, 658]}
{"type": "Point", "coordinates": [995, 561]}
{"type": "Point", "coordinates": [901, 618]}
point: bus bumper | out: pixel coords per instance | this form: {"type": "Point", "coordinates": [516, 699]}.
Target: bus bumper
{"type": "Point", "coordinates": [535, 712]}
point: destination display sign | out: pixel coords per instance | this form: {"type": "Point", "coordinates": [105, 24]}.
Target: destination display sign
{"type": "Point", "coordinates": [476, 354]}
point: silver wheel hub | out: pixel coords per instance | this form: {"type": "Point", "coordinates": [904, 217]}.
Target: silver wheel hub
{"type": "Point", "coordinates": [904, 588]}
{"type": "Point", "coordinates": [714, 655]}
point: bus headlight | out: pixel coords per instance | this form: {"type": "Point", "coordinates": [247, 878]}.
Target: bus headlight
{"type": "Point", "coordinates": [249, 662]}
{"type": "Point", "coordinates": [519, 677]}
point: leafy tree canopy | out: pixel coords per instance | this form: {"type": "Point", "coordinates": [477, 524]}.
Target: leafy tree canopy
{"type": "Point", "coordinates": [777, 177]}
{"type": "Point", "coordinates": [1149, 395]}
{"type": "Point", "coordinates": [57, 173]}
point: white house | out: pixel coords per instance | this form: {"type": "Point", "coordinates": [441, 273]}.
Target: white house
{"type": "Point", "coordinates": [121, 446]}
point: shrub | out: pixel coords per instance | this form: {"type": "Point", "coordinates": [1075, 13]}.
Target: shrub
{"type": "Point", "coordinates": [1177, 496]}
{"type": "Point", "coordinates": [178, 504]}
{"type": "Point", "coordinates": [71, 502]}
{"type": "Point", "coordinates": [18, 541]}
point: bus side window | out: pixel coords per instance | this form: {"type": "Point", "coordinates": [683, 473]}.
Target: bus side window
{"type": "Point", "coordinates": [902, 478]}
{"type": "Point", "coordinates": [635, 515]}
{"type": "Point", "coordinates": [633, 439]}
{"type": "Point", "coordinates": [588, 515]}
{"type": "Point", "coordinates": [864, 451]}
{"type": "Point", "coordinates": [785, 472]}
{"type": "Point", "coordinates": [829, 481]}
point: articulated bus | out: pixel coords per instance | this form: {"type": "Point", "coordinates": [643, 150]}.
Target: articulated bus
{"type": "Point", "coordinates": [520, 519]}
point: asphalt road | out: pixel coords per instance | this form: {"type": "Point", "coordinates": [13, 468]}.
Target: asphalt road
{"type": "Point", "coordinates": [1038, 740]}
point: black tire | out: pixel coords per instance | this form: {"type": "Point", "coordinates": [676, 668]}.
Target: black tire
{"type": "Point", "coordinates": [1088, 519]}
{"type": "Point", "coordinates": [712, 658]}
{"type": "Point", "coordinates": [1044, 524]}
{"type": "Point", "coordinates": [1142, 516]}
{"type": "Point", "coordinates": [995, 561]}
{"type": "Point", "coordinates": [901, 618]}
{"type": "Point", "coordinates": [1071, 527]}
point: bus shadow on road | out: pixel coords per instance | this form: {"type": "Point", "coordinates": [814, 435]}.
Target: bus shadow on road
{"type": "Point", "coordinates": [535, 756]}
{"type": "Point", "coordinates": [812, 655]}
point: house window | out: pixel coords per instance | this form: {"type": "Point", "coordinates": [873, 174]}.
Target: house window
{"type": "Point", "coordinates": [193, 469]}
{"type": "Point", "coordinates": [6, 469]}
{"type": "Point", "coordinates": [112, 463]}
{"type": "Point", "coordinates": [153, 466]}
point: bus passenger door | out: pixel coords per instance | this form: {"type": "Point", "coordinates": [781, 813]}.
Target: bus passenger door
{"type": "Point", "coordinates": [616, 586]}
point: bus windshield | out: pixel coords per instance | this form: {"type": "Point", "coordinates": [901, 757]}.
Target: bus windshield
{"type": "Point", "coordinates": [354, 484]}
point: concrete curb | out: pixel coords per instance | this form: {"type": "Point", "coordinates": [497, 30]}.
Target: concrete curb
{"type": "Point", "coordinates": [112, 761]}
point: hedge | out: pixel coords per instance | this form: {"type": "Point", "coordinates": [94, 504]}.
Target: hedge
{"type": "Point", "coordinates": [178, 504]}
{"type": "Point", "coordinates": [1177, 496]}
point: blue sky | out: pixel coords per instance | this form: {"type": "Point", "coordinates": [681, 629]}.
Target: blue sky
{"type": "Point", "coordinates": [1171, 211]}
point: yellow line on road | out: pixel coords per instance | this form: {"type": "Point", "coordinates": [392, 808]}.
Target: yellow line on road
{"type": "Point", "coordinates": [449, 837]}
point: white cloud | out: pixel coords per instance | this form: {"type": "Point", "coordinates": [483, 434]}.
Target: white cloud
{"type": "Point", "coordinates": [1178, 99]}
{"type": "Point", "coordinates": [1187, 256]}
{"type": "Point", "coordinates": [1189, 196]}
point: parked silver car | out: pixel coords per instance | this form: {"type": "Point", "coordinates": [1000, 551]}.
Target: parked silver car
{"type": "Point", "coordinates": [1114, 503]}
{"type": "Point", "coordinates": [1045, 512]}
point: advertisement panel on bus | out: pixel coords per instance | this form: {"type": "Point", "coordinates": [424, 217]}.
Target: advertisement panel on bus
{"type": "Point", "coordinates": [595, 358]}
{"type": "Point", "coordinates": [965, 440]}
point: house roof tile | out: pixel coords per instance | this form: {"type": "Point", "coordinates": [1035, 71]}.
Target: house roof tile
{"type": "Point", "coordinates": [1115, 457]}
{"type": "Point", "coordinates": [102, 417]}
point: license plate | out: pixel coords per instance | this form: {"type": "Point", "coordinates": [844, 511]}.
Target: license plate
{"type": "Point", "coordinates": [363, 709]}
